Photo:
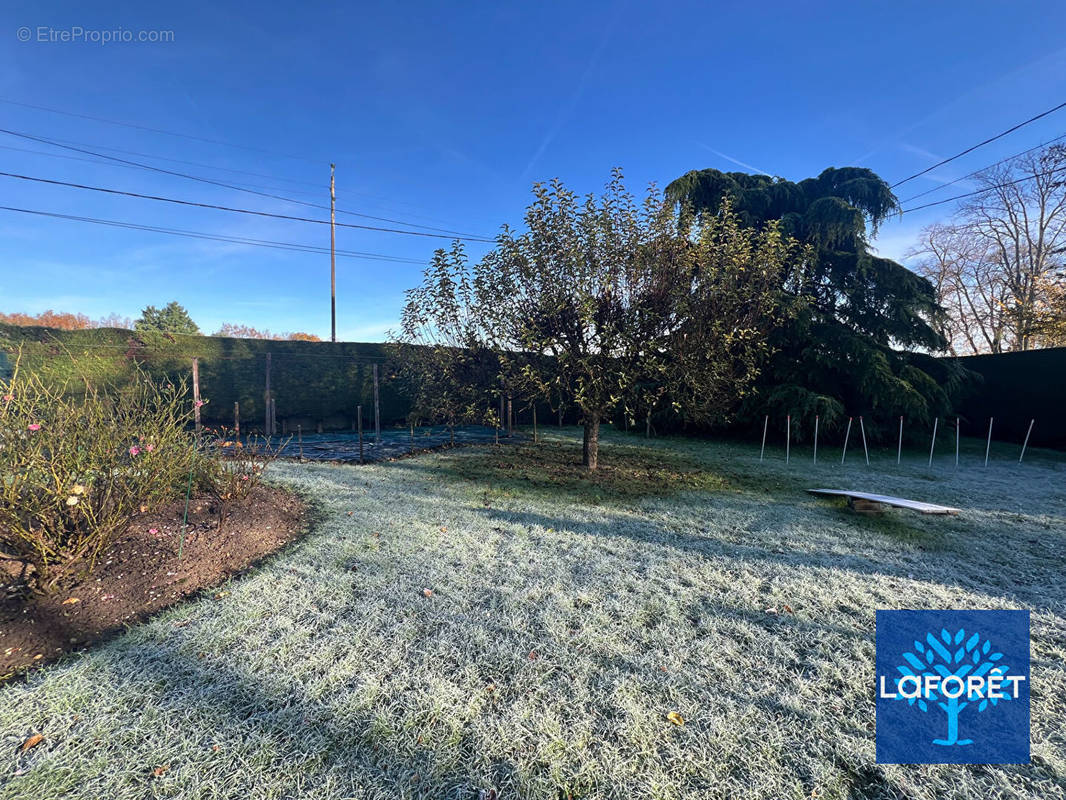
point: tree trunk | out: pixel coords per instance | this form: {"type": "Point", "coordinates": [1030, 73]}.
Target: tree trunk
{"type": "Point", "coordinates": [591, 444]}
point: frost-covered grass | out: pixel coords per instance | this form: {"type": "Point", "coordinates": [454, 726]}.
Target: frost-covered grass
{"type": "Point", "coordinates": [567, 617]}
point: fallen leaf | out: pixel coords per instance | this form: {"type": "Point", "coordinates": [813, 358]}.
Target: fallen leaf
{"type": "Point", "coordinates": [71, 601]}
{"type": "Point", "coordinates": [215, 748]}
{"type": "Point", "coordinates": [33, 741]}
{"type": "Point", "coordinates": [160, 770]}
{"type": "Point", "coordinates": [675, 718]}
{"type": "Point", "coordinates": [443, 530]}
{"type": "Point", "coordinates": [427, 592]}
{"type": "Point", "coordinates": [533, 655]}
{"type": "Point", "coordinates": [788, 608]}
{"type": "Point", "coordinates": [220, 595]}
{"type": "Point", "coordinates": [771, 610]}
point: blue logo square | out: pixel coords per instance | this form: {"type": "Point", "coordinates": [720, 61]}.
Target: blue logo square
{"type": "Point", "coordinates": [952, 687]}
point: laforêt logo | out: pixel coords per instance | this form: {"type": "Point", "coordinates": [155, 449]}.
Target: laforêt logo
{"type": "Point", "coordinates": [953, 687]}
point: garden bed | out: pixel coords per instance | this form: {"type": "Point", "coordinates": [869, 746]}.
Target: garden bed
{"type": "Point", "coordinates": [140, 573]}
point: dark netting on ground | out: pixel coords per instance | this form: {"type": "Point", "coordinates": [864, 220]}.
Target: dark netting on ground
{"type": "Point", "coordinates": [395, 442]}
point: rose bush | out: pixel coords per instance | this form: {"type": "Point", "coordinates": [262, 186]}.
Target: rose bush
{"type": "Point", "coordinates": [76, 466]}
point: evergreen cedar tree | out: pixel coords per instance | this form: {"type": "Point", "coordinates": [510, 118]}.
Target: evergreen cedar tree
{"type": "Point", "coordinates": [862, 341]}
{"type": "Point", "coordinates": [172, 318]}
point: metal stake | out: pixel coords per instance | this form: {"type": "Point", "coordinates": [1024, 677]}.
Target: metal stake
{"type": "Point", "coordinates": [847, 435]}
{"type": "Point", "coordinates": [1026, 443]}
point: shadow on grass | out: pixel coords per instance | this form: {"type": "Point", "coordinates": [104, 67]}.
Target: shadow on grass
{"type": "Point", "coordinates": [553, 470]}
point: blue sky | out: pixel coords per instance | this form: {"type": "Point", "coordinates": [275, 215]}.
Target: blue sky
{"type": "Point", "coordinates": [443, 114]}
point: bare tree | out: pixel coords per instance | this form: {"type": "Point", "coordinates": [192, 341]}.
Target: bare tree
{"type": "Point", "coordinates": [963, 268]}
{"type": "Point", "coordinates": [998, 266]}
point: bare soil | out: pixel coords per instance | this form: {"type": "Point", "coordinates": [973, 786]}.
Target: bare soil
{"type": "Point", "coordinates": [140, 574]}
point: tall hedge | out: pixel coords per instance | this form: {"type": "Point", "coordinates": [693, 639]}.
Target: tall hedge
{"type": "Point", "coordinates": [311, 382]}
{"type": "Point", "coordinates": [323, 382]}
{"type": "Point", "coordinates": [1016, 388]}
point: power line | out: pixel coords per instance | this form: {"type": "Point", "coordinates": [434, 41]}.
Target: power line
{"type": "Point", "coordinates": [979, 144]}
{"type": "Point", "coordinates": [294, 246]}
{"type": "Point", "coordinates": [188, 163]}
{"type": "Point", "coordinates": [96, 160]}
{"type": "Point", "coordinates": [251, 212]}
{"type": "Point", "coordinates": [1046, 174]}
{"type": "Point", "coordinates": [159, 130]}
{"type": "Point", "coordinates": [235, 187]}
{"type": "Point", "coordinates": [983, 169]}
{"type": "Point", "coordinates": [99, 162]}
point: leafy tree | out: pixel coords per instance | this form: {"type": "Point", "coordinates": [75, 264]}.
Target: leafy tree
{"type": "Point", "coordinates": [49, 319]}
{"type": "Point", "coordinates": [172, 318]}
{"type": "Point", "coordinates": [857, 310]}
{"type": "Point", "coordinates": [598, 296]}
{"type": "Point", "coordinates": [453, 373]}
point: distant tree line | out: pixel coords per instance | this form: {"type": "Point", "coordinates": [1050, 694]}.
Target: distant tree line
{"type": "Point", "coordinates": [172, 318]}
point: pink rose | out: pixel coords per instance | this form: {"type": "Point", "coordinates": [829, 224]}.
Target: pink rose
{"type": "Point", "coordinates": [135, 451]}
{"type": "Point", "coordinates": [36, 426]}
{"type": "Point", "coordinates": [153, 531]}
{"type": "Point", "coordinates": [8, 398]}
{"type": "Point", "coordinates": [150, 447]}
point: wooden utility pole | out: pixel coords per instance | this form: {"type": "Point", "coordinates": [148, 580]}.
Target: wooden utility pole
{"type": "Point", "coordinates": [332, 257]}
{"type": "Point", "coordinates": [377, 409]}
{"type": "Point", "coordinates": [359, 425]}
{"type": "Point", "coordinates": [196, 391]}
{"type": "Point", "coordinates": [266, 400]}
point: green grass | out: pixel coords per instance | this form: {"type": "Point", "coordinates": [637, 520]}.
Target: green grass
{"type": "Point", "coordinates": [568, 616]}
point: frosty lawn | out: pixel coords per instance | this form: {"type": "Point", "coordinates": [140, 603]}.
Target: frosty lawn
{"type": "Point", "coordinates": [566, 617]}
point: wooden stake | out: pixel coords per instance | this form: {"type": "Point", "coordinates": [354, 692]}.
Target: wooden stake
{"type": "Point", "coordinates": [359, 427]}
{"type": "Point", "coordinates": [332, 257]}
{"type": "Point", "coordinates": [237, 420]}
{"type": "Point", "coordinates": [862, 429]}
{"type": "Point", "coordinates": [765, 425]}
{"type": "Point", "coordinates": [510, 417]}
{"type": "Point", "coordinates": [899, 448]}
{"type": "Point", "coordinates": [932, 444]}
{"type": "Point", "coordinates": [266, 400]}
{"type": "Point", "coordinates": [377, 409]}
{"type": "Point", "coordinates": [988, 444]}
{"type": "Point", "coordinates": [847, 435]}
{"type": "Point", "coordinates": [534, 423]}
{"type": "Point", "coordinates": [300, 440]}
{"type": "Point", "coordinates": [196, 392]}
{"type": "Point", "coordinates": [1026, 442]}
{"type": "Point", "coordinates": [815, 438]}
{"type": "Point", "coordinates": [788, 436]}
{"type": "Point", "coordinates": [273, 416]}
